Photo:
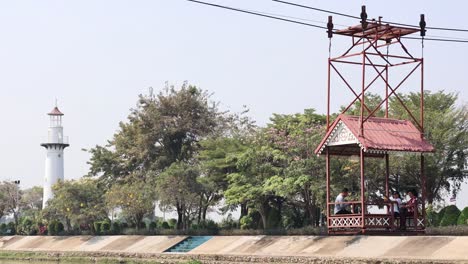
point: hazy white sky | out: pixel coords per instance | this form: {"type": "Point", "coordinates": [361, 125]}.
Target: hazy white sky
{"type": "Point", "coordinates": [97, 56]}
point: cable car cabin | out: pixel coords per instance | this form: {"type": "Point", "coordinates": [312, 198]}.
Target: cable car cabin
{"type": "Point", "coordinates": [382, 137]}
{"type": "Point", "coordinates": [367, 136]}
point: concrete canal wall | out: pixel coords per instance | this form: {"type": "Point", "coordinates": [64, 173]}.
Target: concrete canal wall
{"type": "Point", "coordinates": [440, 248]}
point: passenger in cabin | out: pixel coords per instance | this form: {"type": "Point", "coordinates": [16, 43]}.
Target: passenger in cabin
{"type": "Point", "coordinates": [341, 207]}
{"type": "Point", "coordinates": [408, 208]}
{"type": "Point", "coordinates": [397, 203]}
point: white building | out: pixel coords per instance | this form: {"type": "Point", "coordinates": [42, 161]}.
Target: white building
{"type": "Point", "coordinates": [55, 145]}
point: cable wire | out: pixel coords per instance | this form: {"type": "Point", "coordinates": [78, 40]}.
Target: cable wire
{"type": "Point", "coordinates": [257, 14]}
{"type": "Point", "coordinates": [356, 17]}
{"type": "Point", "coordinates": [271, 16]}
{"type": "Point", "coordinates": [438, 39]}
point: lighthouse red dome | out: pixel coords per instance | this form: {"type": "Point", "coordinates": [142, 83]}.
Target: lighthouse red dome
{"type": "Point", "coordinates": [55, 111]}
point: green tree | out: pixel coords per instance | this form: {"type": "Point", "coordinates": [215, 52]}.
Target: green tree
{"type": "Point", "coordinates": [135, 198]}
{"type": "Point", "coordinates": [31, 199]}
{"type": "Point", "coordinates": [178, 188]}
{"type": "Point", "coordinates": [30, 210]}
{"type": "Point", "coordinates": [450, 217]}
{"type": "Point", "coordinates": [303, 179]}
{"type": "Point", "coordinates": [164, 128]}
{"type": "Point", "coordinates": [463, 218]}
{"type": "Point", "coordinates": [371, 102]}
{"type": "Point", "coordinates": [446, 127]}
{"type": "Point", "coordinates": [255, 167]}
{"type": "Point", "coordinates": [218, 157]}
{"type": "Point", "coordinates": [10, 200]}
{"type": "Point", "coordinates": [76, 202]}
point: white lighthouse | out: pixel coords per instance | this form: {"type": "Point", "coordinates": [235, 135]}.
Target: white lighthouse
{"type": "Point", "coordinates": [55, 145]}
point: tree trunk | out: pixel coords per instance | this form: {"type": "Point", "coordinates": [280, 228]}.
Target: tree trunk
{"type": "Point", "coordinates": [264, 218]}
{"type": "Point", "coordinates": [68, 223]}
{"type": "Point", "coordinates": [138, 219]}
{"type": "Point", "coordinates": [263, 210]}
{"type": "Point", "coordinates": [308, 206]}
{"type": "Point", "coordinates": [244, 210]}
{"type": "Point", "coordinates": [200, 206]}
{"type": "Point", "coordinates": [15, 216]}
{"type": "Point", "coordinates": [205, 209]}
{"type": "Point", "coordinates": [180, 216]}
{"type": "Point", "coordinates": [313, 206]}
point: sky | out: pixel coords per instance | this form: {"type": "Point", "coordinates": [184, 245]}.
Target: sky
{"type": "Point", "coordinates": [96, 57]}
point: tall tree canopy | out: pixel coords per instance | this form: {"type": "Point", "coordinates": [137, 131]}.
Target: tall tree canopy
{"type": "Point", "coordinates": [164, 128]}
{"type": "Point", "coordinates": [446, 127]}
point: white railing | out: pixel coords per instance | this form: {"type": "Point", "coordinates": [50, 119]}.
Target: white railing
{"type": "Point", "coordinates": [55, 140]}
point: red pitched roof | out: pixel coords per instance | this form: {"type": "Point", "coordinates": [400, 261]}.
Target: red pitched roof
{"type": "Point", "coordinates": [55, 111]}
{"type": "Point", "coordinates": [380, 135]}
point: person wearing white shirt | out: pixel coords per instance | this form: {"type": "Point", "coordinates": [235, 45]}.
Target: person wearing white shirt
{"type": "Point", "coordinates": [397, 203]}
{"type": "Point", "coordinates": [340, 206]}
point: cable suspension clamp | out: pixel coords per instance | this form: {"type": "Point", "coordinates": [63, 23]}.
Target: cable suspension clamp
{"type": "Point", "coordinates": [422, 25]}
{"type": "Point", "coordinates": [330, 27]}
{"type": "Point", "coordinates": [363, 17]}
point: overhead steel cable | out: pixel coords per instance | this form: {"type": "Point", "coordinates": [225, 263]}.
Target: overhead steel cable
{"type": "Point", "coordinates": [257, 14]}
{"type": "Point", "coordinates": [271, 16]}
{"type": "Point", "coordinates": [290, 17]}
{"type": "Point", "coordinates": [356, 17]}
{"type": "Point", "coordinates": [438, 39]}
{"type": "Point", "coordinates": [317, 9]}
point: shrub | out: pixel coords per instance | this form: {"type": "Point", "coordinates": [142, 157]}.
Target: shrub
{"type": "Point", "coordinates": [152, 225]}
{"type": "Point", "coordinates": [438, 217]}
{"type": "Point", "coordinates": [432, 216]}
{"type": "Point", "coordinates": [142, 225]}
{"type": "Point", "coordinates": [60, 228]}
{"type": "Point", "coordinates": [105, 226]}
{"type": "Point", "coordinates": [11, 230]}
{"type": "Point", "coordinates": [209, 225]}
{"type": "Point", "coordinates": [115, 228]}
{"type": "Point", "coordinates": [3, 228]}
{"type": "Point", "coordinates": [228, 223]}
{"type": "Point", "coordinates": [450, 216]}
{"type": "Point", "coordinates": [172, 223]}
{"type": "Point", "coordinates": [463, 218]}
{"type": "Point", "coordinates": [246, 222]}
{"type": "Point", "coordinates": [165, 225]}
{"type": "Point", "coordinates": [26, 226]}
{"type": "Point", "coordinates": [97, 227]}
{"type": "Point", "coordinates": [52, 228]}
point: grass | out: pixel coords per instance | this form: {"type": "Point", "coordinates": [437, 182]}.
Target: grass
{"type": "Point", "coordinates": [458, 230]}
{"type": "Point", "coordinates": [79, 258]}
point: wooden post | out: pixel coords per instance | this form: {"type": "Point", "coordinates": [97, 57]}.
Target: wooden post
{"type": "Point", "coordinates": [363, 191]}
{"type": "Point", "coordinates": [328, 95]}
{"type": "Point", "coordinates": [423, 191]}
{"type": "Point", "coordinates": [327, 204]}
{"type": "Point", "coordinates": [387, 175]}
{"type": "Point", "coordinates": [421, 103]}
{"type": "Point", "coordinates": [387, 194]}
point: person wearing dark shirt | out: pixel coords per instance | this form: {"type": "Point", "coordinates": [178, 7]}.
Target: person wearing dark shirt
{"type": "Point", "coordinates": [408, 208]}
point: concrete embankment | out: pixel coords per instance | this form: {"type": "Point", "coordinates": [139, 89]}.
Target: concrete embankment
{"type": "Point", "coordinates": [260, 249]}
